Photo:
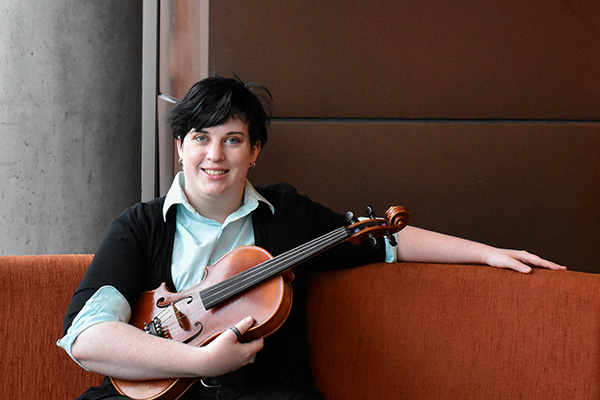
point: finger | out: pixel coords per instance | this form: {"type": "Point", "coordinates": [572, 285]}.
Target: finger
{"type": "Point", "coordinates": [537, 261]}
{"type": "Point", "coordinates": [510, 259]}
{"type": "Point", "coordinates": [252, 347]}
{"type": "Point", "coordinates": [241, 327]}
{"type": "Point", "coordinates": [235, 330]}
{"type": "Point", "coordinates": [519, 267]}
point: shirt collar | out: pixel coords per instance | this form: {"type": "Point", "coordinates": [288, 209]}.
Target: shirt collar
{"type": "Point", "coordinates": [176, 195]}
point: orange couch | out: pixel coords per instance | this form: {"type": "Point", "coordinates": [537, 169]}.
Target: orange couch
{"type": "Point", "coordinates": [400, 331]}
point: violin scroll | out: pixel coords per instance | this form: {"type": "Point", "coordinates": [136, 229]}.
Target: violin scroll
{"type": "Point", "coordinates": [397, 218]}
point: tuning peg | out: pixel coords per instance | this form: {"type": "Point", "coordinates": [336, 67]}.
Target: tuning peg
{"type": "Point", "coordinates": [392, 240]}
{"type": "Point", "coordinates": [350, 219]}
{"type": "Point", "coordinates": [370, 212]}
{"type": "Point", "coordinates": [373, 241]}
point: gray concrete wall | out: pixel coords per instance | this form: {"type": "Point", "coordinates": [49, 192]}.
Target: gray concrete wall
{"type": "Point", "coordinates": [70, 88]}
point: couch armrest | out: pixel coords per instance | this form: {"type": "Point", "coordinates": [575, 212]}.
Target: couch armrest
{"type": "Point", "coordinates": [425, 331]}
{"type": "Point", "coordinates": [36, 291]}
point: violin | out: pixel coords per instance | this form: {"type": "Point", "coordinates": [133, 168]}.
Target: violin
{"type": "Point", "coordinates": [245, 281]}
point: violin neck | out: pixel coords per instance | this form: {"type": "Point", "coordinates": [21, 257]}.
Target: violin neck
{"type": "Point", "coordinates": [236, 284]}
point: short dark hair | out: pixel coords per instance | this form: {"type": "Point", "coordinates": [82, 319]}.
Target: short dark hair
{"type": "Point", "coordinates": [215, 99]}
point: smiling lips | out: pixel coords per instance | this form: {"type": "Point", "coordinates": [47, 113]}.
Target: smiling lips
{"type": "Point", "coordinates": [215, 172]}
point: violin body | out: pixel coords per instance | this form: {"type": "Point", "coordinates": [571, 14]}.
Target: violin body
{"type": "Point", "coordinates": [184, 318]}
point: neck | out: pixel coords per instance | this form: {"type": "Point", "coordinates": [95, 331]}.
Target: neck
{"type": "Point", "coordinates": [217, 209]}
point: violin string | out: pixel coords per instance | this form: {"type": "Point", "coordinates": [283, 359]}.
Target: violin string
{"type": "Point", "coordinates": [161, 316]}
{"type": "Point", "coordinates": [284, 264]}
{"type": "Point", "coordinates": [219, 287]}
{"type": "Point", "coordinates": [299, 254]}
{"type": "Point", "coordinates": [260, 272]}
{"type": "Point", "coordinates": [281, 263]}
{"type": "Point", "coordinates": [170, 312]}
{"type": "Point", "coordinates": [166, 314]}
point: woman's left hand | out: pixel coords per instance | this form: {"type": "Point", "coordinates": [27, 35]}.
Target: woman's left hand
{"type": "Point", "coordinates": [520, 260]}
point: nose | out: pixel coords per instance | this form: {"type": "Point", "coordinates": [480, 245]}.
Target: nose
{"type": "Point", "coordinates": [215, 152]}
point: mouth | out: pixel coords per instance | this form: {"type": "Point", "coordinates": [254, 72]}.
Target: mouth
{"type": "Point", "coordinates": [215, 172]}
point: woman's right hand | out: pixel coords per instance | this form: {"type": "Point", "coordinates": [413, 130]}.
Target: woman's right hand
{"type": "Point", "coordinates": [226, 353]}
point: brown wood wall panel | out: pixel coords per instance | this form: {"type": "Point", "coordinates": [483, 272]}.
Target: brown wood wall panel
{"type": "Point", "coordinates": [463, 59]}
{"type": "Point", "coordinates": [419, 103]}
{"type": "Point", "coordinates": [166, 154]}
{"type": "Point", "coordinates": [179, 46]}
{"type": "Point", "coordinates": [535, 186]}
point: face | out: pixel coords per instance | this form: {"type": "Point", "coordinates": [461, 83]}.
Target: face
{"type": "Point", "coordinates": [216, 161]}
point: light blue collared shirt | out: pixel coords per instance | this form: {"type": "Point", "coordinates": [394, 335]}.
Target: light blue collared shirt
{"type": "Point", "coordinates": [200, 241]}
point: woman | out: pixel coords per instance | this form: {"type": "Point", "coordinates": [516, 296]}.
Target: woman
{"type": "Point", "coordinates": [220, 127]}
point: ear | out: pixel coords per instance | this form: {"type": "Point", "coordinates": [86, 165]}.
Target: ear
{"type": "Point", "coordinates": [180, 147]}
{"type": "Point", "coordinates": [255, 150]}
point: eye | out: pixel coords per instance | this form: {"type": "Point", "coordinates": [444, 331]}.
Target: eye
{"type": "Point", "coordinates": [233, 140]}
{"type": "Point", "coordinates": [200, 139]}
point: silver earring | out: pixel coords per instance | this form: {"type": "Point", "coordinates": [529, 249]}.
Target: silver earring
{"type": "Point", "coordinates": [252, 165]}
{"type": "Point", "coordinates": [181, 161]}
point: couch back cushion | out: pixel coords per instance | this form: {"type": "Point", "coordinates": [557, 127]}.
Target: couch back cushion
{"type": "Point", "coordinates": [423, 331]}
{"type": "Point", "coordinates": [36, 291]}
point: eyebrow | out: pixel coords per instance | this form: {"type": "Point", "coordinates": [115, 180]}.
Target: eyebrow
{"type": "Point", "coordinates": [227, 133]}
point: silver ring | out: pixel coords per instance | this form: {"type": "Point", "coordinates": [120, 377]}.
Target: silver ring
{"type": "Point", "coordinates": [236, 331]}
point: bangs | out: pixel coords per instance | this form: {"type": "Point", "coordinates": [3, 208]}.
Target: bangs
{"type": "Point", "coordinates": [213, 101]}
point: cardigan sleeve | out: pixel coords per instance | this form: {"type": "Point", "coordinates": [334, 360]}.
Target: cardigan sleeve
{"type": "Point", "coordinates": [131, 258]}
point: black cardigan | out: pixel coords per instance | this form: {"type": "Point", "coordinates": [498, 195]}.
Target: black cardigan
{"type": "Point", "coordinates": [135, 256]}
